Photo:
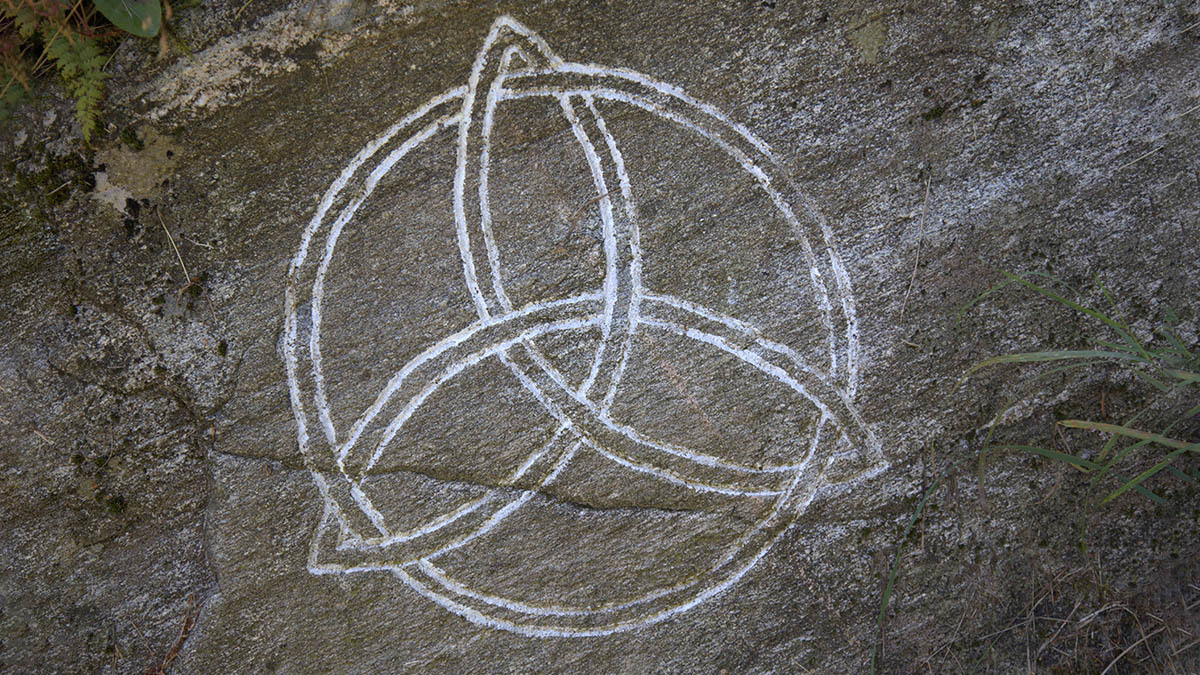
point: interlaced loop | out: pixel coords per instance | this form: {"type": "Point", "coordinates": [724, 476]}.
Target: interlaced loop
{"type": "Point", "coordinates": [515, 63]}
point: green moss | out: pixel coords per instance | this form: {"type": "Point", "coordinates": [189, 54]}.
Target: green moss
{"type": "Point", "coordinates": [934, 113]}
{"type": "Point", "coordinates": [130, 138]}
{"type": "Point", "coordinates": [869, 38]}
{"type": "Point", "coordinates": [115, 504]}
{"type": "Point", "coordinates": [55, 182]}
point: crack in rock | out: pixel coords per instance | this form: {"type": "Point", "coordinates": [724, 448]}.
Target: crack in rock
{"type": "Point", "coordinates": [291, 465]}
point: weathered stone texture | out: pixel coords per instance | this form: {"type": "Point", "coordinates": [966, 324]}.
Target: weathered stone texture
{"type": "Point", "coordinates": [148, 440]}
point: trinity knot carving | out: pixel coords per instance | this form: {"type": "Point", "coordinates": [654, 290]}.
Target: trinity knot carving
{"type": "Point", "coordinates": [497, 538]}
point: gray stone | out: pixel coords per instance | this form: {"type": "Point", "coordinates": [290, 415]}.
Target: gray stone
{"type": "Point", "coordinates": [286, 387]}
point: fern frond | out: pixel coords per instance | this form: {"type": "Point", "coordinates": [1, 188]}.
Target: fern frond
{"type": "Point", "coordinates": [24, 17]}
{"type": "Point", "coordinates": [11, 93]}
{"type": "Point", "coordinates": [67, 42]}
{"type": "Point", "coordinates": [80, 64]}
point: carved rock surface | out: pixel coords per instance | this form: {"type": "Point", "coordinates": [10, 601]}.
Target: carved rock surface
{"type": "Point", "coordinates": [377, 337]}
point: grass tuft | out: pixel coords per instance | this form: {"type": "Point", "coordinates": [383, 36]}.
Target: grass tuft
{"type": "Point", "coordinates": [1169, 366]}
{"type": "Point", "coordinates": [1145, 453]}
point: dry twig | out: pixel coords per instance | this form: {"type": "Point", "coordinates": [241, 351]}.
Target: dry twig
{"type": "Point", "coordinates": [920, 236]}
{"type": "Point", "coordinates": [171, 239]}
{"type": "Point", "coordinates": [191, 281]}
{"type": "Point", "coordinates": [573, 221]}
{"type": "Point", "coordinates": [189, 622]}
{"type": "Point", "coordinates": [1131, 647]}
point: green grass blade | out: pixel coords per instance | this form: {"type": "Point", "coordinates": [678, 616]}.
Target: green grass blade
{"type": "Point", "coordinates": [1001, 286]}
{"type": "Point", "coordinates": [1120, 455]}
{"type": "Point", "coordinates": [1108, 446]}
{"type": "Point", "coordinates": [1060, 282]}
{"type": "Point", "coordinates": [982, 461]}
{"type": "Point", "coordinates": [1137, 481]}
{"type": "Point", "coordinates": [1185, 476]}
{"type": "Point", "coordinates": [1078, 462]}
{"type": "Point", "coordinates": [1121, 329]}
{"type": "Point", "coordinates": [1125, 431]}
{"type": "Point", "coordinates": [1119, 347]}
{"type": "Point", "coordinates": [1145, 409]}
{"type": "Point", "coordinates": [1184, 376]}
{"type": "Point", "coordinates": [1153, 381]}
{"type": "Point", "coordinates": [1176, 343]}
{"type": "Point", "coordinates": [978, 299]}
{"type": "Point", "coordinates": [891, 583]}
{"type": "Point", "coordinates": [1112, 301]}
{"type": "Point", "coordinates": [1056, 355]}
{"type": "Point", "coordinates": [1143, 439]}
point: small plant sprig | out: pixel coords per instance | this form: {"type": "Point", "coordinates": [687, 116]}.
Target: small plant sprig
{"type": "Point", "coordinates": [70, 38]}
{"type": "Point", "coordinates": [1169, 366]}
